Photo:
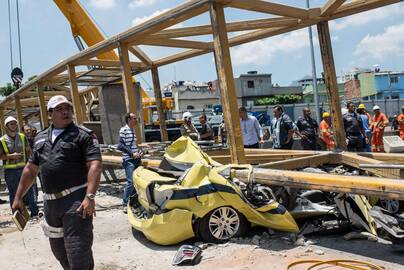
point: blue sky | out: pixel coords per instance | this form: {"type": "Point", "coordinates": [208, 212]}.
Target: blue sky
{"type": "Point", "coordinates": [375, 37]}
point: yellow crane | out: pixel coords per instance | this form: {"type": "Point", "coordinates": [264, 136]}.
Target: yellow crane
{"type": "Point", "coordinates": [84, 27]}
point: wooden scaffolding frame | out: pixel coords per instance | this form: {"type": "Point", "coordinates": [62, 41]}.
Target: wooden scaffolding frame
{"type": "Point", "coordinates": [157, 32]}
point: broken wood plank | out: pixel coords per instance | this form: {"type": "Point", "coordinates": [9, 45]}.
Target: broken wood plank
{"type": "Point", "coordinates": [298, 163]}
{"type": "Point", "coordinates": [372, 186]}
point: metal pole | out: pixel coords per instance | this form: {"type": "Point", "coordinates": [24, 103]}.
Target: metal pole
{"type": "Point", "coordinates": [314, 73]}
{"type": "Point", "coordinates": [19, 34]}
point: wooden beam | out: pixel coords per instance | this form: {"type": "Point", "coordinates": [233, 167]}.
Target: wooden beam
{"type": "Point", "coordinates": [179, 56]}
{"type": "Point", "coordinates": [108, 63]}
{"type": "Point", "coordinates": [231, 27]}
{"type": "Point", "coordinates": [130, 99]}
{"type": "Point", "coordinates": [141, 55]}
{"type": "Point", "coordinates": [330, 77]}
{"type": "Point", "coordinates": [18, 112]}
{"type": "Point", "coordinates": [371, 186]}
{"type": "Point", "coordinates": [43, 112]}
{"type": "Point", "coordinates": [353, 160]}
{"type": "Point", "coordinates": [256, 159]}
{"type": "Point", "coordinates": [330, 7]}
{"type": "Point", "coordinates": [2, 126]}
{"type": "Point", "coordinates": [74, 93]}
{"type": "Point", "coordinates": [298, 163]}
{"type": "Point", "coordinates": [178, 43]}
{"type": "Point", "coordinates": [268, 7]}
{"type": "Point", "coordinates": [226, 83]}
{"type": "Point", "coordinates": [84, 108]}
{"type": "Point", "coordinates": [159, 103]}
{"type": "Point", "coordinates": [394, 158]}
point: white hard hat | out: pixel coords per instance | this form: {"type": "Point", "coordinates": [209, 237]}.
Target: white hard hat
{"type": "Point", "coordinates": [57, 100]}
{"type": "Point", "coordinates": [376, 108]}
{"type": "Point", "coordinates": [9, 119]}
{"type": "Point", "coordinates": [186, 115]}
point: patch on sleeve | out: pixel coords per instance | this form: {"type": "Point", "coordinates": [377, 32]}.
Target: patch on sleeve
{"type": "Point", "coordinates": [95, 140]}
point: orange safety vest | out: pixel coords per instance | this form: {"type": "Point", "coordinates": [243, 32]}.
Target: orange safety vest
{"type": "Point", "coordinates": [400, 120]}
{"type": "Point", "coordinates": [327, 135]}
{"type": "Point", "coordinates": [379, 122]}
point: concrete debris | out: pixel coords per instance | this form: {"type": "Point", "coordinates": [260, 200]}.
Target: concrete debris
{"type": "Point", "coordinates": [319, 252]}
{"type": "Point", "coordinates": [314, 170]}
{"type": "Point", "coordinates": [300, 241]}
{"type": "Point", "coordinates": [360, 235]}
{"type": "Point", "coordinates": [256, 240]}
{"type": "Point", "coordinates": [308, 250]}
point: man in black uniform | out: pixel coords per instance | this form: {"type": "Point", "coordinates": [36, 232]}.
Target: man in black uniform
{"type": "Point", "coordinates": [354, 130]}
{"type": "Point", "coordinates": [308, 129]}
{"type": "Point", "coordinates": [69, 160]}
{"type": "Point", "coordinates": [206, 132]}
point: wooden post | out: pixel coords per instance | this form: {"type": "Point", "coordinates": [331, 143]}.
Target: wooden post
{"type": "Point", "coordinates": [130, 99]}
{"type": "Point", "coordinates": [42, 108]}
{"type": "Point", "coordinates": [18, 112]}
{"type": "Point", "coordinates": [74, 93]}
{"type": "Point", "coordinates": [3, 127]}
{"type": "Point", "coordinates": [226, 83]}
{"type": "Point", "coordinates": [159, 103]}
{"type": "Point", "coordinates": [84, 108]}
{"type": "Point", "coordinates": [330, 77]}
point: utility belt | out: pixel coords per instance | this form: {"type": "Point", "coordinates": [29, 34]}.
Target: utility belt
{"type": "Point", "coordinates": [63, 193]}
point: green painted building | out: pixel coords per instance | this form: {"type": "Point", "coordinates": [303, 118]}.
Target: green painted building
{"type": "Point", "coordinates": [308, 95]}
{"type": "Point", "coordinates": [367, 84]}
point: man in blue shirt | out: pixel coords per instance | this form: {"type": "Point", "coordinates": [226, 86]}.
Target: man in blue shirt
{"type": "Point", "coordinates": [251, 129]}
{"type": "Point", "coordinates": [366, 126]}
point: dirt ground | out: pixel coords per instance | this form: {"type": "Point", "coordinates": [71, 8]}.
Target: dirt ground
{"type": "Point", "coordinates": [117, 247]}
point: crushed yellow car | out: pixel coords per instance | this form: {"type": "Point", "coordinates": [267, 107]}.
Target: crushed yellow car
{"type": "Point", "coordinates": [205, 200]}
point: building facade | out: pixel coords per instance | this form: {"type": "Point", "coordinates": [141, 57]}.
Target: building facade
{"type": "Point", "coordinates": [249, 88]}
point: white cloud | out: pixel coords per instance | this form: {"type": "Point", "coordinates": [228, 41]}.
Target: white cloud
{"type": "Point", "coordinates": [137, 21]}
{"type": "Point", "coordinates": [141, 3]}
{"type": "Point", "coordinates": [262, 51]}
{"type": "Point", "coordinates": [140, 20]}
{"type": "Point", "coordinates": [103, 4]}
{"type": "Point", "coordinates": [364, 18]}
{"type": "Point", "coordinates": [388, 43]}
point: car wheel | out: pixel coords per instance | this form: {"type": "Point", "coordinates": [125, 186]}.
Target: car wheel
{"type": "Point", "coordinates": [221, 224]}
{"type": "Point", "coordinates": [393, 206]}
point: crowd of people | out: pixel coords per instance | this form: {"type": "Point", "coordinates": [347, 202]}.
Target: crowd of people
{"type": "Point", "coordinates": [364, 132]}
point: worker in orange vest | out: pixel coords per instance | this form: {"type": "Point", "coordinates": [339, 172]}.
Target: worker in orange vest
{"type": "Point", "coordinates": [400, 120]}
{"type": "Point", "coordinates": [379, 122]}
{"type": "Point", "coordinates": [326, 132]}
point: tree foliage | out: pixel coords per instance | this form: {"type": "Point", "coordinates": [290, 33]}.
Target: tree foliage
{"type": "Point", "coordinates": [7, 90]}
{"type": "Point", "coordinates": [279, 99]}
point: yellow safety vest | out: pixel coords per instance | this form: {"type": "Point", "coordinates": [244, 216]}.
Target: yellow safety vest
{"type": "Point", "coordinates": [6, 164]}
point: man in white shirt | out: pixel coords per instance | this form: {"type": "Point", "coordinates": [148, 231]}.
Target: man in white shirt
{"type": "Point", "coordinates": [251, 129]}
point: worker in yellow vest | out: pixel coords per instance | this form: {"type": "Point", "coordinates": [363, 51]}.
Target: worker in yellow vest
{"type": "Point", "coordinates": [14, 151]}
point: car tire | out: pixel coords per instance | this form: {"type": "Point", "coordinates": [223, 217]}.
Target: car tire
{"type": "Point", "coordinates": [221, 224]}
{"type": "Point", "coordinates": [393, 206]}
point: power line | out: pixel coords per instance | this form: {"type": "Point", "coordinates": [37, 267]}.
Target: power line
{"type": "Point", "coordinates": [10, 37]}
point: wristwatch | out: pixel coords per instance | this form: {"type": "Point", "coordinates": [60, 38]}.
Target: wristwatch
{"type": "Point", "coordinates": [91, 196]}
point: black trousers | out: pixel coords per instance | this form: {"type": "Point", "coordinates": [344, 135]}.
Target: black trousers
{"type": "Point", "coordinates": [288, 145]}
{"type": "Point", "coordinates": [73, 251]}
{"type": "Point", "coordinates": [252, 146]}
{"type": "Point", "coordinates": [309, 144]}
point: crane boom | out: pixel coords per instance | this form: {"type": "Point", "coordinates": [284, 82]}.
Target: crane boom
{"type": "Point", "coordinates": [84, 26]}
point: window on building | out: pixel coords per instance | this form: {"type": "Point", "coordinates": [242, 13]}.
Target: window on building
{"type": "Point", "coordinates": [250, 84]}
{"type": "Point", "coordinates": [394, 79]}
